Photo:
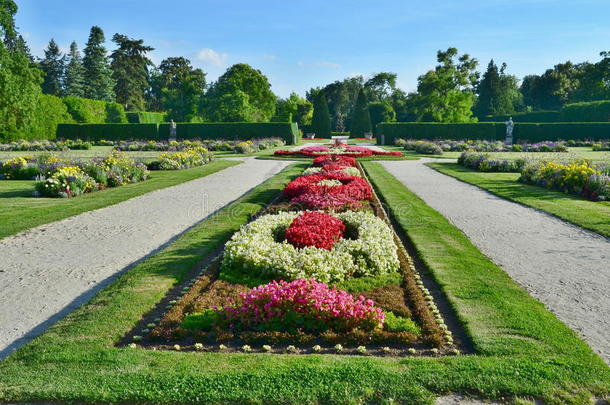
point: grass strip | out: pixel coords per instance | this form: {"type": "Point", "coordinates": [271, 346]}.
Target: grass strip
{"type": "Point", "coordinates": [20, 210]}
{"type": "Point", "coordinates": [594, 216]}
{"type": "Point", "coordinates": [76, 360]}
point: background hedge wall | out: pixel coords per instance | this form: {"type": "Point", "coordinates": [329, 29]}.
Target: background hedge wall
{"type": "Point", "coordinates": [234, 130]}
{"type": "Point", "coordinates": [230, 131]}
{"type": "Point", "coordinates": [535, 116]}
{"type": "Point", "coordinates": [523, 132]}
{"type": "Point", "coordinates": [143, 117]}
{"type": "Point", "coordinates": [595, 111]}
{"type": "Point", "coordinates": [110, 132]}
{"type": "Point", "coordinates": [84, 110]}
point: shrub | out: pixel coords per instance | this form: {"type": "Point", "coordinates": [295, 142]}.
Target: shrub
{"type": "Point", "coordinates": [304, 306]}
{"type": "Point", "coordinates": [69, 181]}
{"type": "Point", "coordinates": [144, 117]}
{"type": "Point", "coordinates": [19, 168]}
{"type": "Point", "coordinates": [243, 131]}
{"type": "Point", "coordinates": [395, 323]}
{"type": "Point", "coordinates": [592, 111]}
{"type": "Point", "coordinates": [483, 163]}
{"type": "Point", "coordinates": [84, 110]}
{"type": "Point", "coordinates": [197, 156]}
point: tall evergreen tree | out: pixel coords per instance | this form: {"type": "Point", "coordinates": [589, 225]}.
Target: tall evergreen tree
{"type": "Point", "coordinates": [320, 122]}
{"type": "Point", "coordinates": [53, 67]}
{"type": "Point", "coordinates": [178, 88]}
{"type": "Point", "coordinates": [130, 71]}
{"type": "Point", "coordinates": [74, 80]}
{"type": "Point", "coordinates": [497, 92]}
{"type": "Point", "coordinates": [361, 120]}
{"type": "Point", "coordinates": [99, 84]}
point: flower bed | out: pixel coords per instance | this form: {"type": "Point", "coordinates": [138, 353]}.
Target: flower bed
{"type": "Point", "coordinates": [260, 248]}
{"type": "Point", "coordinates": [484, 163]}
{"type": "Point", "coordinates": [51, 146]}
{"type": "Point", "coordinates": [437, 147]}
{"type": "Point", "coordinates": [317, 184]}
{"type": "Point", "coordinates": [216, 145]}
{"type": "Point", "coordinates": [342, 150]}
{"type": "Point", "coordinates": [185, 159]}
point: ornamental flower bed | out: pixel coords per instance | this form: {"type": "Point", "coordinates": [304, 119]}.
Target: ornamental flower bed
{"type": "Point", "coordinates": [50, 146]}
{"type": "Point", "coordinates": [302, 281]}
{"type": "Point", "coordinates": [217, 145]}
{"type": "Point", "coordinates": [317, 184]}
{"type": "Point", "coordinates": [437, 147]}
{"type": "Point", "coordinates": [342, 150]}
{"type": "Point", "coordinates": [193, 157]}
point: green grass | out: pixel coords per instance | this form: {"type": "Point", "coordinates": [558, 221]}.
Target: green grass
{"type": "Point", "coordinates": [522, 350]}
{"type": "Point", "coordinates": [20, 210]}
{"type": "Point", "coordinates": [594, 216]}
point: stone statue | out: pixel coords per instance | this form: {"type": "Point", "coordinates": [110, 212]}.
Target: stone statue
{"type": "Point", "coordinates": [172, 130]}
{"type": "Point", "coordinates": [510, 125]}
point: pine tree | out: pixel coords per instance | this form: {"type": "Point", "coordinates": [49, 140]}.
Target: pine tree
{"type": "Point", "coordinates": [361, 118]}
{"type": "Point", "coordinates": [320, 123]}
{"type": "Point", "coordinates": [53, 67]}
{"type": "Point", "coordinates": [130, 71]}
{"type": "Point", "coordinates": [497, 92]}
{"type": "Point", "coordinates": [99, 84]}
{"type": "Point", "coordinates": [74, 80]}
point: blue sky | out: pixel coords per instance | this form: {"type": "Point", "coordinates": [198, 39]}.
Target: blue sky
{"type": "Point", "coordinates": [308, 43]}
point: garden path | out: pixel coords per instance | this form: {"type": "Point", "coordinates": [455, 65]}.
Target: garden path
{"type": "Point", "coordinates": [48, 271]}
{"type": "Point", "coordinates": [563, 266]}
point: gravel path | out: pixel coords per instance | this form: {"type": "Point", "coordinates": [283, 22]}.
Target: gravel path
{"type": "Point", "coordinates": [563, 266]}
{"type": "Point", "coordinates": [48, 271]}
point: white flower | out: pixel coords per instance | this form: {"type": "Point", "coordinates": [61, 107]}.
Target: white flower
{"type": "Point", "coordinates": [411, 350]}
{"type": "Point", "coordinates": [267, 348]}
{"type": "Point", "coordinates": [386, 349]}
{"type": "Point", "coordinates": [316, 348]}
{"type": "Point", "coordinates": [222, 347]}
{"type": "Point", "coordinates": [292, 349]}
{"type": "Point", "coordinates": [338, 347]}
{"type": "Point", "coordinates": [434, 350]}
{"type": "Point", "coordinates": [177, 347]}
{"type": "Point", "coordinates": [361, 349]}
{"type": "Point", "coordinates": [132, 345]}
{"type": "Point", "coordinates": [137, 338]}
{"type": "Point", "coordinates": [198, 346]}
{"type": "Point", "coordinates": [246, 348]}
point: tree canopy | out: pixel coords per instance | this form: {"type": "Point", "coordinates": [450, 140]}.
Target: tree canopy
{"type": "Point", "coordinates": [130, 71]}
{"type": "Point", "coordinates": [74, 80]}
{"type": "Point", "coordinates": [52, 65]}
{"type": "Point", "coordinates": [99, 84]}
{"type": "Point", "coordinates": [320, 122]}
{"type": "Point", "coordinates": [498, 92]}
{"type": "Point", "coordinates": [361, 119]}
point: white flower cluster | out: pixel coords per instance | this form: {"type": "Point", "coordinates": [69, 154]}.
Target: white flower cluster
{"type": "Point", "coordinates": [350, 171]}
{"type": "Point", "coordinates": [254, 248]}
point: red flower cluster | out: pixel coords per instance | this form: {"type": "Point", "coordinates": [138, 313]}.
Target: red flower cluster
{"type": "Point", "coordinates": [339, 160]}
{"type": "Point", "coordinates": [327, 201]}
{"type": "Point", "coordinates": [350, 151]}
{"type": "Point", "coordinates": [351, 186]}
{"type": "Point", "coordinates": [315, 229]}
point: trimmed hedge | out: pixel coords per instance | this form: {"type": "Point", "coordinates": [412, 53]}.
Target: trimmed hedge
{"type": "Point", "coordinates": [88, 111]}
{"type": "Point", "coordinates": [234, 131]}
{"type": "Point", "coordinates": [110, 132]}
{"type": "Point", "coordinates": [230, 131]}
{"type": "Point", "coordinates": [490, 131]}
{"type": "Point", "coordinates": [534, 116]}
{"type": "Point", "coordinates": [144, 117]}
{"type": "Point", "coordinates": [594, 111]}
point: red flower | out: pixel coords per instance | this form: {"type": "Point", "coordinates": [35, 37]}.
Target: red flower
{"type": "Point", "coordinates": [315, 229]}
{"type": "Point", "coordinates": [354, 187]}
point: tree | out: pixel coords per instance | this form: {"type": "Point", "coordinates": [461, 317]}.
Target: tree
{"type": "Point", "coordinates": [498, 93]}
{"type": "Point", "coordinates": [381, 112]}
{"type": "Point", "coordinates": [361, 120]}
{"type": "Point", "coordinates": [320, 122]}
{"type": "Point", "coordinates": [74, 80]}
{"type": "Point", "coordinates": [295, 107]}
{"type": "Point", "coordinates": [553, 89]}
{"type": "Point", "coordinates": [445, 94]}
{"type": "Point", "coordinates": [130, 71]}
{"type": "Point", "coordinates": [253, 84]}
{"type": "Point", "coordinates": [19, 82]}
{"type": "Point", "coordinates": [341, 97]}
{"type": "Point", "coordinates": [99, 84]}
{"type": "Point", "coordinates": [381, 86]}
{"type": "Point", "coordinates": [53, 65]}
{"type": "Point", "coordinates": [179, 88]}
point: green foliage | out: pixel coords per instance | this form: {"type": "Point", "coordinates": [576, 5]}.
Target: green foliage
{"type": "Point", "coordinates": [361, 120]}
{"type": "Point", "coordinates": [178, 88]}
{"type": "Point", "coordinates": [360, 284]}
{"type": "Point", "coordinates": [595, 111]}
{"type": "Point", "coordinates": [233, 131]}
{"type": "Point", "coordinates": [74, 80]}
{"type": "Point", "coordinates": [144, 117]}
{"type": "Point", "coordinates": [381, 112]}
{"type": "Point", "coordinates": [298, 109]}
{"type": "Point", "coordinates": [203, 321]}
{"type": "Point", "coordinates": [99, 84]}
{"type": "Point", "coordinates": [340, 98]}
{"type": "Point", "coordinates": [380, 87]}
{"type": "Point", "coordinates": [320, 122]}
{"type": "Point", "coordinates": [241, 94]}
{"type": "Point", "coordinates": [53, 67]}
{"type": "Point", "coordinates": [87, 111]}
{"type": "Point", "coordinates": [533, 116]}
{"type": "Point", "coordinates": [130, 71]}
{"type": "Point", "coordinates": [395, 323]}
{"type": "Point", "coordinates": [110, 132]}
{"type": "Point", "coordinates": [445, 94]}
{"type": "Point", "coordinates": [49, 112]}
{"type": "Point", "coordinates": [497, 92]}
{"type": "Point", "coordinates": [561, 131]}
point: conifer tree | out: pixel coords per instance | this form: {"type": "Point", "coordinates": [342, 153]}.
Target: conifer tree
{"type": "Point", "coordinates": [320, 122]}
{"type": "Point", "coordinates": [99, 84]}
{"type": "Point", "coordinates": [53, 67]}
{"type": "Point", "coordinates": [130, 71]}
{"type": "Point", "coordinates": [361, 119]}
{"type": "Point", "coordinates": [74, 80]}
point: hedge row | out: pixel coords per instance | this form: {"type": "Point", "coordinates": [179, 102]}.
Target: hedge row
{"type": "Point", "coordinates": [144, 117]}
{"type": "Point", "coordinates": [87, 111]}
{"type": "Point", "coordinates": [230, 131]}
{"type": "Point", "coordinates": [595, 111]}
{"type": "Point", "coordinates": [523, 132]}
{"type": "Point", "coordinates": [534, 116]}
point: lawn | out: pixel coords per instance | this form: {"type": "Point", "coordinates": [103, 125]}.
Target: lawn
{"type": "Point", "coordinates": [594, 216]}
{"type": "Point", "coordinates": [521, 350]}
{"type": "Point", "coordinates": [20, 210]}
